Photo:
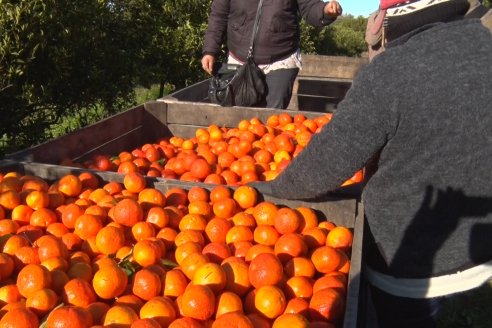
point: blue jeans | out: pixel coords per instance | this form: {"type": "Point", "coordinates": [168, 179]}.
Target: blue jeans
{"type": "Point", "coordinates": [401, 312]}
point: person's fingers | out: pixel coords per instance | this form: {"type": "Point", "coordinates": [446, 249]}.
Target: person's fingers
{"type": "Point", "coordinates": [334, 8]}
{"type": "Point", "coordinates": [207, 64]}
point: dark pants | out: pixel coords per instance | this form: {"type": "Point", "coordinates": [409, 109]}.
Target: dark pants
{"type": "Point", "coordinates": [279, 84]}
{"type": "Point", "coordinates": [401, 312]}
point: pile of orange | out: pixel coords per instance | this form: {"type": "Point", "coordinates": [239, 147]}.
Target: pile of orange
{"type": "Point", "coordinates": [252, 151]}
{"type": "Point", "coordinates": [81, 252]}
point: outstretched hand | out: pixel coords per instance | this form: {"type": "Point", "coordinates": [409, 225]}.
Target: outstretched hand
{"type": "Point", "coordinates": [208, 63]}
{"type": "Point", "coordinates": [333, 9]}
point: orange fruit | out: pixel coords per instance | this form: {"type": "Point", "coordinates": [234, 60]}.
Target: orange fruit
{"type": "Point", "coordinates": [237, 279]}
{"type": "Point", "coordinates": [224, 208]}
{"type": "Point", "coordinates": [245, 196]}
{"type": "Point", "coordinates": [265, 212]}
{"type": "Point", "coordinates": [298, 286]}
{"type": "Point", "coordinates": [220, 192]}
{"type": "Point", "coordinates": [109, 281]}
{"type": "Point", "coordinates": [270, 301]}
{"type": "Point", "coordinates": [239, 233]}
{"type": "Point", "coordinates": [110, 239]}
{"type": "Point", "coordinates": [201, 207]}
{"type": "Point", "coordinates": [120, 316]}
{"type": "Point", "coordinates": [31, 278]}
{"type": "Point", "coordinates": [78, 292]}
{"type": "Point", "coordinates": [185, 322]}
{"type": "Point", "coordinates": [98, 311]}
{"type": "Point", "coordinates": [87, 226]}
{"type": "Point", "coordinates": [309, 218]}
{"type": "Point", "coordinates": [80, 270]}
{"type": "Point", "coordinates": [334, 281]}
{"type": "Point", "coordinates": [228, 302]}
{"type": "Point", "coordinates": [42, 301]}
{"type": "Point", "coordinates": [70, 185]}
{"type": "Point", "coordinates": [257, 249]}
{"type": "Point", "coordinates": [20, 317]}
{"type": "Point", "coordinates": [232, 320]}
{"type": "Point", "coordinates": [340, 238]}
{"type": "Point", "coordinates": [21, 213]}
{"type": "Point", "coordinates": [59, 279]}
{"type": "Point", "coordinates": [158, 216]}
{"type": "Point", "coordinates": [293, 320]}
{"type": "Point", "coordinates": [43, 217]}
{"type": "Point", "coordinates": [142, 230]}
{"type": "Point", "coordinates": [175, 283]}
{"type": "Point", "coordinates": [198, 302]}
{"type": "Point", "coordinates": [266, 235]}
{"type": "Point", "coordinates": [131, 301]}
{"type": "Point", "coordinates": [287, 220]}
{"type": "Point", "coordinates": [300, 267]}
{"type": "Point", "coordinates": [297, 305]}
{"type": "Point", "coordinates": [216, 229]}
{"type": "Point", "coordinates": [289, 246]}
{"type": "Point", "coordinates": [127, 212]}
{"type": "Point", "coordinates": [50, 246]}
{"type": "Point", "coordinates": [314, 237]}
{"type": "Point", "coordinates": [69, 316]}
{"type": "Point", "coordinates": [185, 249]}
{"type": "Point", "coordinates": [134, 182]}
{"type": "Point", "coordinates": [326, 259]}
{"type": "Point", "coordinates": [216, 252]}
{"type": "Point", "coordinates": [189, 235]}
{"type": "Point", "coordinates": [146, 323]}
{"type": "Point", "coordinates": [150, 197]}
{"type": "Point", "coordinates": [244, 219]}
{"type": "Point", "coordinates": [6, 266]}
{"type": "Point", "coordinates": [36, 199]}
{"type": "Point", "coordinates": [176, 196]}
{"type": "Point", "coordinates": [57, 229]}
{"type": "Point", "coordinates": [13, 243]}
{"type": "Point", "coordinates": [193, 222]}
{"type": "Point", "coordinates": [212, 275]}
{"type": "Point", "coordinates": [70, 214]}
{"type": "Point", "coordinates": [265, 269]}
{"type": "Point", "coordinates": [326, 304]}
{"type": "Point", "coordinates": [147, 252]}
{"type": "Point", "coordinates": [192, 262]}
{"type": "Point", "coordinates": [9, 294]}
{"type": "Point", "coordinates": [146, 284]}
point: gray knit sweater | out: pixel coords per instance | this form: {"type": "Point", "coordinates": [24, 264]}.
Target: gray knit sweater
{"type": "Point", "coordinates": [425, 106]}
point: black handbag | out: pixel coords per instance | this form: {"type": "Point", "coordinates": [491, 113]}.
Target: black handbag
{"type": "Point", "coordinates": [239, 85]}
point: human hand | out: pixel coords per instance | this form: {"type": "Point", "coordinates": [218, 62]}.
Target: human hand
{"type": "Point", "coordinates": [208, 63]}
{"type": "Point", "coordinates": [333, 9]}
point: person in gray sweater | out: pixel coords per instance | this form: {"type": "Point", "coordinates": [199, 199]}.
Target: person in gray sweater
{"type": "Point", "coordinates": [422, 111]}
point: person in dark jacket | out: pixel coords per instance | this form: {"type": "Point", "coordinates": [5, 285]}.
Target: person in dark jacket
{"type": "Point", "coordinates": [422, 110]}
{"type": "Point", "coordinates": [277, 43]}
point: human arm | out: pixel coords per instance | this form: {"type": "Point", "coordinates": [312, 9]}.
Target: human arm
{"type": "Point", "coordinates": [215, 32]}
{"type": "Point", "coordinates": [319, 13]}
{"type": "Point", "coordinates": [358, 130]}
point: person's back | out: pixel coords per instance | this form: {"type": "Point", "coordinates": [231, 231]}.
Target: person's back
{"type": "Point", "coordinates": [436, 87]}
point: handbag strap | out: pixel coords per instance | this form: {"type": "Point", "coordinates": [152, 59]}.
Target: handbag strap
{"type": "Point", "coordinates": [255, 30]}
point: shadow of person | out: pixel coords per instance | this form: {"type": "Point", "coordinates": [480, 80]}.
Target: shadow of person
{"type": "Point", "coordinates": [447, 225]}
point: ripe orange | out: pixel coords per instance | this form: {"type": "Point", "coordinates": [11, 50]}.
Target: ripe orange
{"type": "Point", "coordinates": [142, 230]}
{"type": "Point", "coordinates": [21, 213]}
{"type": "Point", "coordinates": [265, 269]}
{"type": "Point", "coordinates": [220, 192]}
{"type": "Point", "coordinates": [239, 233]}
{"type": "Point", "coordinates": [50, 246]}
{"type": "Point", "coordinates": [147, 252]}
{"type": "Point", "coordinates": [43, 217]}
{"type": "Point", "coordinates": [245, 196]}
{"type": "Point", "coordinates": [228, 302]}
{"type": "Point", "coordinates": [326, 259]}
{"type": "Point", "coordinates": [98, 311]}
{"type": "Point", "coordinates": [129, 300]}
{"type": "Point", "coordinates": [333, 280]}
{"type": "Point", "coordinates": [326, 304]}
{"type": "Point", "coordinates": [265, 235]}
{"type": "Point", "coordinates": [10, 199]}
{"type": "Point", "coordinates": [78, 292]}
{"type": "Point", "coordinates": [237, 279]}
{"type": "Point", "coordinates": [291, 320]}
{"type": "Point", "coordinates": [134, 182]}
{"type": "Point", "coordinates": [216, 229]}
{"type": "Point", "coordinates": [20, 317]}
{"type": "Point", "coordinates": [176, 196]}
{"type": "Point", "coordinates": [189, 235]}
{"type": "Point", "coordinates": [70, 185]}
{"type": "Point", "coordinates": [300, 266]}
{"type": "Point", "coordinates": [287, 220]}
{"type": "Point", "coordinates": [314, 237]}
{"type": "Point", "coordinates": [193, 222]}
{"type": "Point", "coordinates": [270, 301]}
{"type": "Point", "coordinates": [9, 294]}
{"type": "Point", "coordinates": [69, 316]}
{"type": "Point", "coordinates": [244, 219]}
{"type": "Point", "coordinates": [42, 301]}
{"type": "Point", "coordinates": [340, 238]}
{"type": "Point", "coordinates": [159, 308]}
{"type": "Point", "coordinates": [198, 302]}
{"type": "Point", "coordinates": [297, 305]}
{"type": "Point", "coordinates": [70, 213]}
{"type": "Point", "coordinates": [289, 246]}
{"type": "Point", "coordinates": [232, 320]}
{"type": "Point", "coordinates": [158, 216]}
{"type": "Point", "coordinates": [127, 212]}
{"type": "Point", "coordinates": [192, 262]}
{"type": "Point", "coordinates": [31, 278]}
{"type": "Point", "coordinates": [185, 249]}
{"type": "Point", "coordinates": [298, 286]}
{"type": "Point", "coordinates": [265, 212]}
{"type": "Point", "coordinates": [150, 197]}
{"type": "Point", "coordinates": [175, 283]}
{"type": "Point", "coordinates": [36, 199]}
{"type": "Point", "coordinates": [216, 251]}
{"type": "Point", "coordinates": [212, 275]}
{"type": "Point", "coordinates": [146, 284]}
{"type": "Point", "coordinates": [87, 225]}
{"type": "Point", "coordinates": [224, 208]}
{"type": "Point", "coordinates": [309, 218]}
{"type": "Point", "coordinates": [110, 239]}
{"type": "Point", "coordinates": [109, 281]}
{"type": "Point", "coordinates": [147, 323]}
{"type": "Point", "coordinates": [120, 316]}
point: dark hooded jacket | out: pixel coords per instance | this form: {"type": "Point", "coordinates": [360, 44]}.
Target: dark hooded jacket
{"type": "Point", "coordinates": [278, 35]}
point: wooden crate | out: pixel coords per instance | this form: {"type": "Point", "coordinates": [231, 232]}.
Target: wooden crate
{"type": "Point", "coordinates": [341, 211]}
{"type": "Point", "coordinates": [320, 86]}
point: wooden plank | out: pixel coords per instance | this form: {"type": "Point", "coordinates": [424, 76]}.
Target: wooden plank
{"type": "Point", "coordinates": [318, 104]}
{"type": "Point", "coordinates": [328, 88]}
{"type": "Point", "coordinates": [77, 143]}
{"type": "Point", "coordinates": [331, 66]}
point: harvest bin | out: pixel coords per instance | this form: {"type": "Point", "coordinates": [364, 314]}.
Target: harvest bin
{"type": "Point", "coordinates": [147, 123]}
{"type": "Point", "coordinates": [320, 86]}
{"type": "Point", "coordinates": [341, 211]}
